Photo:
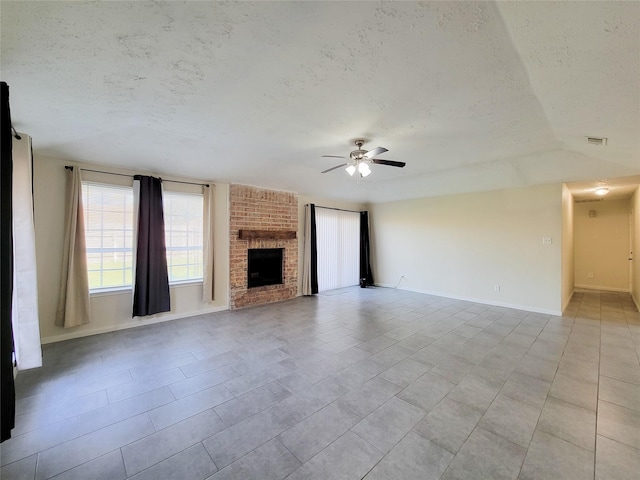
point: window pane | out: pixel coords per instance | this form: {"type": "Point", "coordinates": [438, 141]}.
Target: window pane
{"type": "Point", "coordinates": [108, 216]}
{"type": "Point", "coordinates": [183, 222]}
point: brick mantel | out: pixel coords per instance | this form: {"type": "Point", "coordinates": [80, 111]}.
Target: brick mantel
{"type": "Point", "coordinates": [275, 216]}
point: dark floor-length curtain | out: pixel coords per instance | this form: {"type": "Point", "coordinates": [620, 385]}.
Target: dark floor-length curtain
{"type": "Point", "coordinates": [314, 251]}
{"type": "Point", "coordinates": [7, 392]}
{"type": "Point", "coordinates": [366, 275]}
{"type": "Point", "coordinates": [151, 288]}
{"type": "Point", "coordinates": [310, 259]}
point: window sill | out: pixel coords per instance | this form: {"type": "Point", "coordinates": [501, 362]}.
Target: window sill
{"type": "Point", "coordinates": [103, 292]}
{"type": "Point", "coordinates": [185, 283]}
{"type": "Point", "coordinates": [123, 290]}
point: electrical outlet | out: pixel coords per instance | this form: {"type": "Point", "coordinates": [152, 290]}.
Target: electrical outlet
{"type": "Point", "coordinates": [496, 288]}
{"type": "Point", "coordinates": [590, 274]}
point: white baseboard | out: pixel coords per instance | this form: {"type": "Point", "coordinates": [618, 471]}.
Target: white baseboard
{"type": "Point", "coordinates": [604, 289]}
{"type": "Point", "coordinates": [527, 308]}
{"type": "Point", "coordinates": [635, 300]}
{"type": "Point", "coordinates": [86, 332]}
{"type": "Point", "coordinates": [566, 304]}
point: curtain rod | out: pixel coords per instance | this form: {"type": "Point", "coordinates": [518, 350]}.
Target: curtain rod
{"type": "Point", "coordinates": [338, 209]}
{"type": "Point", "coordinates": [70, 167]}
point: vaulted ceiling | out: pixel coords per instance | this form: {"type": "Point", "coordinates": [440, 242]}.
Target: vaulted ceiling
{"type": "Point", "coordinates": [471, 95]}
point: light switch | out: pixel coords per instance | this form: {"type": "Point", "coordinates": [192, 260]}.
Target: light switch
{"type": "Point", "coordinates": [546, 240]}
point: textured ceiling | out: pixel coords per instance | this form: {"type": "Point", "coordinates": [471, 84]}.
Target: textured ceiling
{"type": "Point", "coordinates": [473, 96]}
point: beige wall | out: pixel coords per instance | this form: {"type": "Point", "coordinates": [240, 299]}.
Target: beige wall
{"type": "Point", "coordinates": [568, 267]}
{"type": "Point", "coordinates": [635, 264]}
{"type": "Point", "coordinates": [461, 246]}
{"type": "Point", "coordinates": [111, 311]}
{"type": "Point", "coordinates": [602, 245]}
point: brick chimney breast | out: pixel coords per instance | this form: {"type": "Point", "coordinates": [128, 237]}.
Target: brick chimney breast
{"type": "Point", "coordinates": [262, 210]}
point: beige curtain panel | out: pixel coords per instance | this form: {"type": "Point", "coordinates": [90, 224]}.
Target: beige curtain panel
{"type": "Point", "coordinates": [74, 306]}
{"type": "Point", "coordinates": [26, 323]}
{"type": "Point", "coordinates": [207, 246]}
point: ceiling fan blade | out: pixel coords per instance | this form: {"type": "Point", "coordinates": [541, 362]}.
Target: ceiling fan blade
{"type": "Point", "coordinates": [391, 163]}
{"type": "Point", "coordinates": [332, 156]}
{"type": "Point", "coordinates": [333, 168]}
{"type": "Point", "coordinates": [375, 151]}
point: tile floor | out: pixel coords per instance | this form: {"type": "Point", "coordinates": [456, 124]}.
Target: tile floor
{"type": "Point", "coordinates": [355, 383]}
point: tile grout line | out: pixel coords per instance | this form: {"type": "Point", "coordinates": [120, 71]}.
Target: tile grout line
{"type": "Point", "coordinates": [545, 400]}
{"type": "Point", "coordinates": [477, 425]}
{"type": "Point", "coordinates": [372, 445]}
{"type": "Point", "coordinates": [595, 440]}
{"type": "Point", "coordinates": [302, 464]}
{"type": "Point", "coordinates": [209, 454]}
{"type": "Point", "coordinates": [597, 397]}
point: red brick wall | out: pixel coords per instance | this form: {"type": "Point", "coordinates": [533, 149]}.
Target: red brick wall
{"type": "Point", "coordinates": [258, 209]}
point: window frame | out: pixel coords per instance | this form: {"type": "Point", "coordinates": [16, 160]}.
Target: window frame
{"type": "Point", "coordinates": [192, 280]}
{"type": "Point", "coordinates": [85, 207]}
{"type": "Point", "coordinates": [110, 290]}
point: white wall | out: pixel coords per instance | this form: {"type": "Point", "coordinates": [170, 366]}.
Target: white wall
{"type": "Point", "coordinates": [602, 245]}
{"type": "Point", "coordinates": [461, 246]}
{"type": "Point", "coordinates": [568, 268]}
{"type": "Point", "coordinates": [323, 202]}
{"type": "Point", "coordinates": [635, 264]}
{"type": "Point", "coordinates": [111, 311]}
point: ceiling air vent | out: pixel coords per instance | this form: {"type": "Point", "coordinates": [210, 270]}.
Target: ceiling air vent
{"type": "Point", "coordinates": [589, 200]}
{"type": "Point", "coordinates": [597, 140]}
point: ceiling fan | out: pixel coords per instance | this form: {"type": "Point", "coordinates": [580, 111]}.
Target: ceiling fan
{"type": "Point", "coordinates": [360, 159]}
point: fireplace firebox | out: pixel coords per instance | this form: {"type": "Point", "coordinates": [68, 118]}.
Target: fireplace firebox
{"type": "Point", "coordinates": [264, 267]}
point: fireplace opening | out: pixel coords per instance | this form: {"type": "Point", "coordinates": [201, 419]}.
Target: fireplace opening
{"type": "Point", "coordinates": [265, 267]}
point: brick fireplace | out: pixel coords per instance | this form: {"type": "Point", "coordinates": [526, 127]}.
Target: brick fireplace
{"type": "Point", "coordinates": [262, 219]}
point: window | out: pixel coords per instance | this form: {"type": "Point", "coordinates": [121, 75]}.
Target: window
{"type": "Point", "coordinates": [183, 219]}
{"type": "Point", "coordinates": [108, 217]}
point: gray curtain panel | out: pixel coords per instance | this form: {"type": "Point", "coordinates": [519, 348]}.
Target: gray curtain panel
{"type": "Point", "coordinates": [310, 256]}
{"type": "Point", "coordinates": [366, 275]}
{"type": "Point", "coordinates": [151, 288]}
{"type": "Point", "coordinates": [8, 398]}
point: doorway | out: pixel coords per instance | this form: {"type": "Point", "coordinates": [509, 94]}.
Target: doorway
{"type": "Point", "coordinates": [601, 237]}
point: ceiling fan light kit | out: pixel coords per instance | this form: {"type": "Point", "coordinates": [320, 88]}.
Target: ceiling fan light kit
{"type": "Point", "coordinates": [363, 169]}
{"type": "Point", "coordinates": [360, 159]}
